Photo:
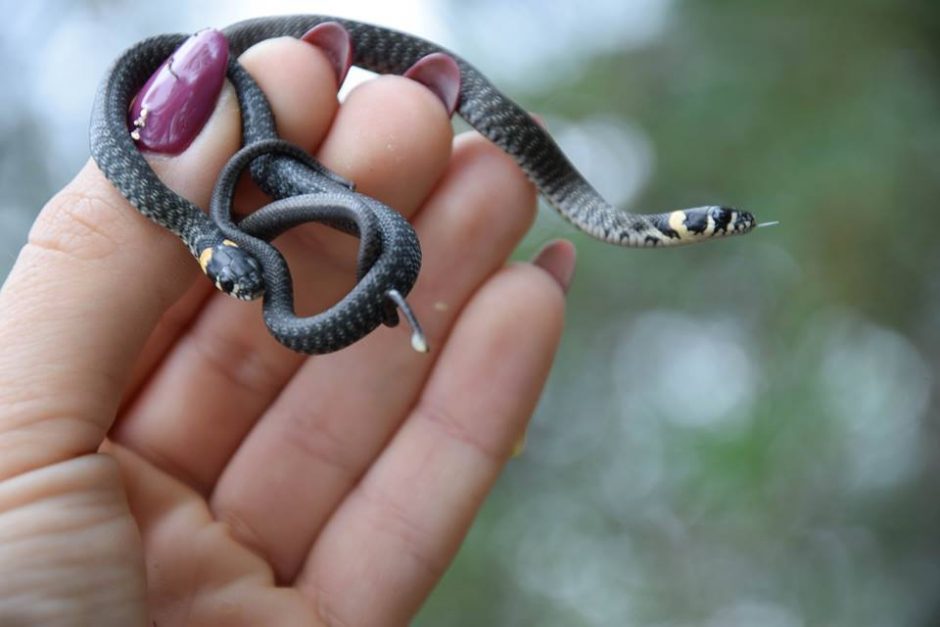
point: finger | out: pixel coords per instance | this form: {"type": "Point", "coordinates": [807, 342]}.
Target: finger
{"type": "Point", "coordinates": [197, 574]}
{"type": "Point", "coordinates": [86, 291]}
{"type": "Point", "coordinates": [169, 327]}
{"type": "Point", "coordinates": [558, 259]}
{"type": "Point", "coordinates": [331, 421]}
{"type": "Point", "coordinates": [303, 113]}
{"type": "Point", "coordinates": [393, 138]}
{"type": "Point", "coordinates": [301, 86]}
{"type": "Point", "coordinates": [392, 539]}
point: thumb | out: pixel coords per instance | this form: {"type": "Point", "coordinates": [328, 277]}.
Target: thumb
{"type": "Point", "coordinates": [95, 275]}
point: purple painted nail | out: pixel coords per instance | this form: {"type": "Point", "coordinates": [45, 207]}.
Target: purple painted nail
{"type": "Point", "coordinates": [439, 73]}
{"type": "Point", "coordinates": [175, 103]}
{"type": "Point", "coordinates": [334, 41]}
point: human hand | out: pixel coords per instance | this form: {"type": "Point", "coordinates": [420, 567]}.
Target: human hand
{"type": "Point", "coordinates": [162, 458]}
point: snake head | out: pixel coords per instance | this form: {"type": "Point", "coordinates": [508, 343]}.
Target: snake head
{"type": "Point", "coordinates": [732, 221]}
{"type": "Point", "coordinates": [692, 225]}
{"type": "Point", "coordinates": [232, 270]}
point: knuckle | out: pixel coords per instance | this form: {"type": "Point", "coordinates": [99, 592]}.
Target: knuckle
{"type": "Point", "coordinates": [454, 429]}
{"type": "Point", "coordinates": [82, 224]}
{"type": "Point", "coordinates": [322, 441]}
{"type": "Point", "coordinates": [242, 529]}
{"type": "Point", "coordinates": [234, 357]}
{"type": "Point", "coordinates": [327, 615]}
{"type": "Point", "coordinates": [391, 518]}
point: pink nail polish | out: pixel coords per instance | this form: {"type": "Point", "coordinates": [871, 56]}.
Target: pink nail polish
{"type": "Point", "coordinates": [441, 74]}
{"type": "Point", "coordinates": [334, 41]}
{"type": "Point", "coordinates": [174, 104]}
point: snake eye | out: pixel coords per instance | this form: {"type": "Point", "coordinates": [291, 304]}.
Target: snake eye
{"type": "Point", "coordinates": [233, 270]}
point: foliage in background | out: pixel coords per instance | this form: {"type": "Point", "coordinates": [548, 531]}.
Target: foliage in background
{"type": "Point", "coordinates": [741, 433]}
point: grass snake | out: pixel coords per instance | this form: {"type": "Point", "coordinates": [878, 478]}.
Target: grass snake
{"type": "Point", "coordinates": [239, 258]}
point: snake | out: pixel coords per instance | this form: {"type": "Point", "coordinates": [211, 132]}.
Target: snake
{"type": "Point", "coordinates": [237, 256]}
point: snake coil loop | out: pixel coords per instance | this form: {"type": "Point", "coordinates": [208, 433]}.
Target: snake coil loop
{"type": "Point", "coordinates": [348, 212]}
{"type": "Point", "coordinates": [239, 257]}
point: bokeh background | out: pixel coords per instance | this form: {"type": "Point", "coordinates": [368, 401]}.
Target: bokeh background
{"type": "Point", "coordinates": [736, 434]}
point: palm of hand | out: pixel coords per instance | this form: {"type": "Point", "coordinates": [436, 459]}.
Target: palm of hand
{"type": "Point", "coordinates": [163, 459]}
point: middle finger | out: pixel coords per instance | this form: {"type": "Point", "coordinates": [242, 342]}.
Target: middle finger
{"type": "Point", "coordinates": [334, 417]}
{"type": "Point", "coordinates": [392, 137]}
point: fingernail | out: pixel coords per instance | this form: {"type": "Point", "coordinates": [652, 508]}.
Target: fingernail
{"type": "Point", "coordinates": [558, 259]}
{"type": "Point", "coordinates": [175, 103]}
{"type": "Point", "coordinates": [441, 74]}
{"type": "Point", "coordinates": [334, 41]}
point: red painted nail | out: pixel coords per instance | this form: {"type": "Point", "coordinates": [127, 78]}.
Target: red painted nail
{"type": "Point", "coordinates": [334, 41]}
{"type": "Point", "coordinates": [441, 74]}
{"type": "Point", "coordinates": [175, 103]}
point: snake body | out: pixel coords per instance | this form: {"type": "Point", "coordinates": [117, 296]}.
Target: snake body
{"type": "Point", "coordinates": [238, 256]}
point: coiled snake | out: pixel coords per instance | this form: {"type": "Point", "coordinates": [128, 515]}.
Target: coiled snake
{"type": "Point", "coordinates": [239, 259]}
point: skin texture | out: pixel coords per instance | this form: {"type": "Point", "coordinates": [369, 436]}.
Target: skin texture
{"type": "Point", "coordinates": [163, 460]}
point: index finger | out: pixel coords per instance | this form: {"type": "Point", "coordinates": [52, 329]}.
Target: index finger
{"type": "Point", "coordinates": [85, 293]}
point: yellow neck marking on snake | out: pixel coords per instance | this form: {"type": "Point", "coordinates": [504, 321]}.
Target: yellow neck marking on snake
{"type": "Point", "coordinates": [206, 255]}
{"type": "Point", "coordinates": [204, 258]}
{"type": "Point", "coordinates": [677, 224]}
{"type": "Point", "coordinates": [677, 220]}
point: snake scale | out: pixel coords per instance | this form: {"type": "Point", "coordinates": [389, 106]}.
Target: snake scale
{"type": "Point", "coordinates": [238, 257]}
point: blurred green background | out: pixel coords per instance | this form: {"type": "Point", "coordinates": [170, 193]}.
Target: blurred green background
{"type": "Point", "coordinates": [736, 434]}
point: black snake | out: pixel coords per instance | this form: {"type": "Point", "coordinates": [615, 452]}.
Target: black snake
{"type": "Point", "coordinates": [239, 259]}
